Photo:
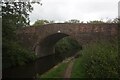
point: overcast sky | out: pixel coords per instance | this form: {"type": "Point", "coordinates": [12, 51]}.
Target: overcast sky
{"type": "Point", "coordinates": [83, 10]}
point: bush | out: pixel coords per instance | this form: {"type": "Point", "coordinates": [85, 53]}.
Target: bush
{"type": "Point", "coordinates": [15, 55]}
{"type": "Point", "coordinates": [99, 60]}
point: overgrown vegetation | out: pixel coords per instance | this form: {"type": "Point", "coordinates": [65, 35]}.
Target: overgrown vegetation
{"type": "Point", "coordinates": [99, 60]}
{"type": "Point", "coordinates": [67, 47]}
{"type": "Point", "coordinates": [42, 22]}
{"type": "Point", "coordinates": [15, 55]}
{"type": "Point", "coordinates": [14, 16]}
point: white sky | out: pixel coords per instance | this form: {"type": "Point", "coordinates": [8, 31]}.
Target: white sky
{"type": "Point", "coordinates": [83, 10]}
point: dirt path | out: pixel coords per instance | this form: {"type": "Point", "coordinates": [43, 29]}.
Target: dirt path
{"type": "Point", "coordinates": [69, 69]}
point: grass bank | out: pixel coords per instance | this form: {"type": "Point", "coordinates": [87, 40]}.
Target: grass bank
{"type": "Point", "coordinates": [56, 72]}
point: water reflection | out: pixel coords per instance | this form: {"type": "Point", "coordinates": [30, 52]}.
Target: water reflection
{"type": "Point", "coordinates": [40, 66]}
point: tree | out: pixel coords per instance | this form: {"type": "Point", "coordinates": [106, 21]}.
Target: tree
{"type": "Point", "coordinates": [40, 22]}
{"type": "Point", "coordinates": [96, 22]}
{"type": "Point", "coordinates": [17, 13]}
{"type": "Point", "coordinates": [51, 21]}
{"type": "Point", "coordinates": [115, 20]}
{"type": "Point", "coordinates": [14, 16]}
{"type": "Point", "coordinates": [72, 21]}
{"type": "Point", "coordinates": [109, 21]}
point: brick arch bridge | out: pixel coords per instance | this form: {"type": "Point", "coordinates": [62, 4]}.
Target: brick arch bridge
{"type": "Point", "coordinates": [42, 39]}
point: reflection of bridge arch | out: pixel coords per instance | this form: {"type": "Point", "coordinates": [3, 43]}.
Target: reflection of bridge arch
{"type": "Point", "coordinates": [41, 39]}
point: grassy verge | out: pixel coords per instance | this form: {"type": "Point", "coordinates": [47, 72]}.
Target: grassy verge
{"type": "Point", "coordinates": [56, 72]}
{"type": "Point", "coordinates": [99, 60]}
{"type": "Point", "coordinates": [78, 71]}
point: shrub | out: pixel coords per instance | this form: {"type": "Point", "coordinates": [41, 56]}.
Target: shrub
{"type": "Point", "coordinates": [99, 60]}
{"type": "Point", "coordinates": [15, 55]}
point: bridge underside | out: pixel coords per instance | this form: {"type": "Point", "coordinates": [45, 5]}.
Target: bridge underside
{"type": "Point", "coordinates": [46, 46]}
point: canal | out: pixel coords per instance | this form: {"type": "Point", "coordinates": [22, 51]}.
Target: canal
{"type": "Point", "coordinates": [39, 66]}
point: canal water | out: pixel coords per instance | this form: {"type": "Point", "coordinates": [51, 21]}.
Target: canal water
{"type": "Point", "coordinates": [39, 66]}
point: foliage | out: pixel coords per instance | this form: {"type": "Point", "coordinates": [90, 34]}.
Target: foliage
{"type": "Point", "coordinates": [42, 22]}
{"type": "Point", "coordinates": [50, 22]}
{"type": "Point", "coordinates": [96, 22]}
{"type": "Point", "coordinates": [14, 16]}
{"type": "Point", "coordinates": [99, 60]}
{"type": "Point", "coordinates": [16, 13]}
{"type": "Point", "coordinates": [73, 21]}
{"type": "Point", "coordinates": [115, 20]}
{"type": "Point", "coordinates": [112, 21]}
{"type": "Point", "coordinates": [55, 72]}
{"type": "Point", "coordinates": [15, 55]}
{"type": "Point", "coordinates": [66, 47]}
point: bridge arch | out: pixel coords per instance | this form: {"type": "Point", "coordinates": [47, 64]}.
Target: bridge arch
{"type": "Point", "coordinates": [46, 45]}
